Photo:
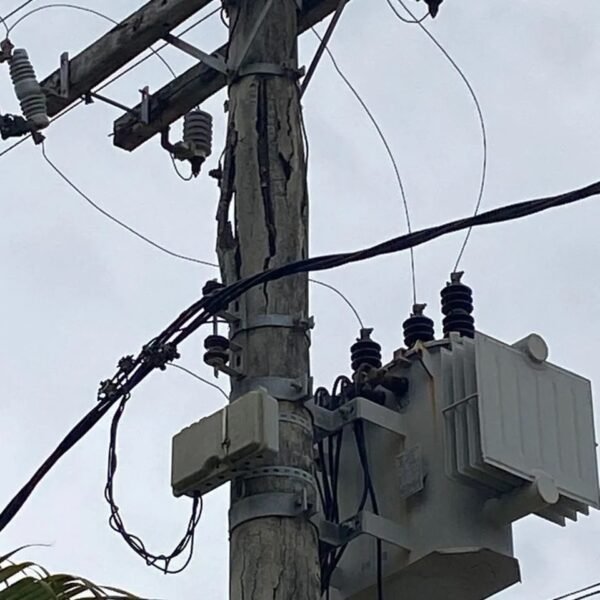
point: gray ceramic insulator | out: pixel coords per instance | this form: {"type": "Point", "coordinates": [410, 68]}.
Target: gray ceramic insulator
{"type": "Point", "coordinates": [198, 132]}
{"type": "Point", "coordinates": [28, 90]}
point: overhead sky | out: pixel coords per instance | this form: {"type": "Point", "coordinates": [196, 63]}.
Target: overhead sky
{"type": "Point", "coordinates": [79, 292]}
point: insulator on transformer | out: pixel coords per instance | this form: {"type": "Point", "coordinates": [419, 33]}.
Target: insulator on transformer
{"type": "Point", "coordinates": [418, 327]}
{"type": "Point", "coordinates": [217, 350]}
{"type": "Point", "coordinates": [365, 351]}
{"type": "Point", "coordinates": [28, 90]}
{"type": "Point", "coordinates": [197, 137]}
{"type": "Point", "coordinates": [457, 306]}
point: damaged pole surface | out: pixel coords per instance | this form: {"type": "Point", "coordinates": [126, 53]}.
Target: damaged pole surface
{"type": "Point", "coordinates": [264, 175]}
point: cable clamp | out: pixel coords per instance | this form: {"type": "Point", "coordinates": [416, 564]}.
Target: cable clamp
{"type": "Point", "coordinates": [276, 504]}
{"type": "Point", "coordinates": [280, 388]}
{"type": "Point", "coordinates": [157, 355]}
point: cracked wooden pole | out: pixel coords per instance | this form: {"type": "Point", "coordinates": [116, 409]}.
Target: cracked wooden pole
{"type": "Point", "coordinates": [264, 175]}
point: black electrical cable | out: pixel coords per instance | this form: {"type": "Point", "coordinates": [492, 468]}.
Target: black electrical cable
{"type": "Point", "coordinates": [579, 591]}
{"type": "Point", "coordinates": [413, 21]}
{"type": "Point", "coordinates": [162, 349]}
{"type": "Point", "coordinates": [161, 562]}
{"type": "Point", "coordinates": [359, 435]}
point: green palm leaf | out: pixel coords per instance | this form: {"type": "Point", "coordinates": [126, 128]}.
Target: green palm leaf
{"type": "Point", "coordinates": [28, 581]}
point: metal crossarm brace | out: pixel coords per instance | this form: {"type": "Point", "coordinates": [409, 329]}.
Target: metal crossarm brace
{"type": "Point", "coordinates": [330, 421]}
{"type": "Point", "coordinates": [115, 49]}
{"type": "Point", "coordinates": [196, 85]}
{"type": "Point", "coordinates": [363, 523]}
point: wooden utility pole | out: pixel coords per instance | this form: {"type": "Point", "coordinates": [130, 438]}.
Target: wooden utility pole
{"type": "Point", "coordinates": [272, 557]}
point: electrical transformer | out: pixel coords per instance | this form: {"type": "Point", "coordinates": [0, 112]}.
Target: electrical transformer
{"type": "Point", "coordinates": [487, 433]}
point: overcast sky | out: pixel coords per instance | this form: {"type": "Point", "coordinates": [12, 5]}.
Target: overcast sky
{"type": "Point", "coordinates": [79, 292]}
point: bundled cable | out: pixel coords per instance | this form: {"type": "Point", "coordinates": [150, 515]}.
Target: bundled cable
{"type": "Point", "coordinates": [161, 562]}
{"type": "Point", "coordinates": [163, 349]}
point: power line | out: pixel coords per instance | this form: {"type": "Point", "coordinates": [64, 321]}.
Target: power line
{"type": "Point", "coordinates": [389, 153]}
{"type": "Point", "coordinates": [206, 381]}
{"type": "Point", "coordinates": [413, 21]}
{"type": "Point", "coordinates": [479, 115]}
{"type": "Point", "coordinates": [16, 10]}
{"type": "Point", "coordinates": [162, 350]}
{"type": "Point", "coordinates": [343, 297]}
{"type": "Point", "coordinates": [585, 589]}
{"type": "Point", "coordinates": [117, 221]}
{"type": "Point", "coordinates": [179, 173]}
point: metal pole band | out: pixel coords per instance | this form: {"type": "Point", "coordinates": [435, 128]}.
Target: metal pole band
{"type": "Point", "coordinates": [305, 424]}
{"type": "Point", "coordinates": [280, 388]}
{"type": "Point", "coordinates": [276, 504]}
{"type": "Point", "coordinates": [271, 320]}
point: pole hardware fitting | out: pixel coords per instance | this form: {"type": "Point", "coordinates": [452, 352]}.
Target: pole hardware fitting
{"type": "Point", "coordinates": [89, 97]}
{"type": "Point", "coordinates": [275, 504]}
{"type": "Point", "coordinates": [157, 355]}
{"type": "Point", "coordinates": [108, 390]}
{"type": "Point", "coordinates": [327, 422]}
{"type": "Point", "coordinates": [363, 523]}
{"type": "Point", "coordinates": [281, 388]}
{"type": "Point", "coordinates": [214, 61]}
{"type": "Point", "coordinates": [272, 320]}
{"type": "Point", "coordinates": [6, 48]}
{"type": "Point", "coordinates": [65, 76]}
{"type": "Point", "coordinates": [12, 126]}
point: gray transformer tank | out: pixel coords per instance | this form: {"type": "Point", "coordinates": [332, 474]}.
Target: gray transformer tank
{"type": "Point", "coordinates": [489, 433]}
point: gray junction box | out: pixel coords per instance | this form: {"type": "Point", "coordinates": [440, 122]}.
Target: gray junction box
{"type": "Point", "coordinates": [490, 434]}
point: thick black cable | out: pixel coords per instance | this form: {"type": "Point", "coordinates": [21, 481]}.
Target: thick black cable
{"type": "Point", "coordinates": [159, 561]}
{"type": "Point", "coordinates": [202, 311]}
{"type": "Point", "coordinates": [579, 591]}
{"type": "Point", "coordinates": [484, 139]}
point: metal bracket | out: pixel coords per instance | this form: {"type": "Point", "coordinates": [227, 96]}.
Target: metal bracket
{"type": "Point", "coordinates": [145, 106]}
{"type": "Point", "coordinates": [363, 523]}
{"type": "Point", "coordinates": [330, 421]}
{"type": "Point", "coordinates": [6, 48]}
{"type": "Point", "coordinates": [214, 62]}
{"type": "Point", "coordinates": [281, 388]}
{"type": "Point", "coordinates": [277, 504]}
{"type": "Point", "coordinates": [65, 75]}
{"type": "Point", "coordinates": [272, 320]}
